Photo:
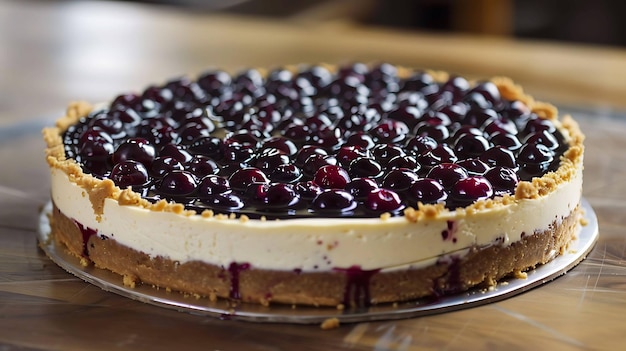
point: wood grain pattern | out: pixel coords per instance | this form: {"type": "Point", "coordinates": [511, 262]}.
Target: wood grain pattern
{"type": "Point", "coordinates": [75, 50]}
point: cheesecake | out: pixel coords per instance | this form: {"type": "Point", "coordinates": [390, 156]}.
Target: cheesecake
{"type": "Point", "coordinates": [321, 185]}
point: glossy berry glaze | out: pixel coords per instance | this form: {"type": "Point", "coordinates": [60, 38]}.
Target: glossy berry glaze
{"type": "Point", "coordinates": [357, 142]}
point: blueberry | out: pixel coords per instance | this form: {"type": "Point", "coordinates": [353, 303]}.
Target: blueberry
{"type": "Point", "coordinates": [276, 196]}
{"type": "Point", "coordinates": [361, 187]}
{"type": "Point", "coordinates": [331, 177]}
{"type": "Point", "coordinates": [469, 190]}
{"type": "Point", "coordinates": [136, 149]}
{"type": "Point", "coordinates": [489, 91]}
{"type": "Point", "coordinates": [96, 150]}
{"type": "Point", "coordinates": [427, 191]}
{"type": "Point", "coordinates": [468, 145]}
{"type": "Point", "coordinates": [285, 173]}
{"type": "Point", "coordinates": [241, 178]}
{"type": "Point", "coordinates": [420, 144]}
{"type": "Point", "coordinates": [163, 165]}
{"type": "Point", "coordinates": [129, 173]}
{"type": "Point", "coordinates": [285, 145]}
{"type": "Point", "coordinates": [409, 115]}
{"type": "Point", "coordinates": [334, 201]}
{"type": "Point", "coordinates": [505, 140]}
{"type": "Point", "coordinates": [177, 152]}
{"type": "Point", "coordinates": [498, 156]}
{"type": "Point", "coordinates": [178, 183]}
{"type": "Point", "coordinates": [473, 166]}
{"type": "Point", "coordinates": [383, 200]}
{"type": "Point", "coordinates": [308, 190]}
{"type": "Point", "coordinates": [361, 139]}
{"type": "Point", "coordinates": [214, 82]}
{"type": "Point", "coordinates": [269, 159]}
{"type": "Point", "coordinates": [209, 146]}
{"type": "Point", "coordinates": [365, 167]}
{"type": "Point", "coordinates": [399, 180]}
{"type": "Point", "coordinates": [347, 154]}
{"type": "Point", "coordinates": [543, 137]}
{"type": "Point", "coordinates": [503, 179]}
{"type": "Point", "coordinates": [306, 151]}
{"type": "Point", "coordinates": [224, 202]}
{"type": "Point", "coordinates": [213, 185]}
{"type": "Point", "coordinates": [448, 174]}
{"type": "Point", "coordinates": [201, 166]}
{"type": "Point", "coordinates": [317, 161]}
{"type": "Point", "coordinates": [390, 131]}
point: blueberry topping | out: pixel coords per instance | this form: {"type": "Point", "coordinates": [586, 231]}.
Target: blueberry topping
{"type": "Point", "coordinates": [355, 142]}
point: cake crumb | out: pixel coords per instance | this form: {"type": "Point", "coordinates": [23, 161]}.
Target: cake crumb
{"type": "Point", "coordinates": [394, 305]}
{"type": "Point", "coordinates": [244, 218]}
{"type": "Point", "coordinates": [385, 216]}
{"type": "Point", "coordinates": [520, 275]}
{"type": "Point", "coordinates": [84, 262]}
{"type": "Point", "coordinates": [232, 216]}
{"type": "Point", "coordinates": [207, 213]}
{"type": "Point", "coordinates": [583, 221]}
{"type": "Point", "coordinates": [263, 218]}
{"type": "Point", "coordinates": [129, 281]}
{"type": "Point", "coordinates": [330, 323]}
{"type": "Point", "coordinates": [341, 307]}
{"type": "Point", "coordinates": [212, 297]}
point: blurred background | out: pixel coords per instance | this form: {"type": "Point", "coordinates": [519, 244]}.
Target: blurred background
{"type": "Point", "coordinates": [570, 52]}
{"type": "Point", "coordinates": [584, 21]}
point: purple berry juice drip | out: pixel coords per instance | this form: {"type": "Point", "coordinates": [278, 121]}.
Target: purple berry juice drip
{"type": "Point", "coordinates": [450, 232]}
{"type": "Point", "coordinates": [357, 289]}
{"type": "Point", "coordinates": [235, 270]}
{"type": "Point", "coordinates": [452, 283]}
{"type": "Point", "coordinates": [87, 233]}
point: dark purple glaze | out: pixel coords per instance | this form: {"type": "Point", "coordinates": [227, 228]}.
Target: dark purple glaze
{"type": "Point", "coordinates": [87, 233]}
{"type": "Point", "coordinates": [449, 234]}
{"type": "Point", "coordinates": [235, 269]}
{"type": "Point", "coordinates": [357, 288]}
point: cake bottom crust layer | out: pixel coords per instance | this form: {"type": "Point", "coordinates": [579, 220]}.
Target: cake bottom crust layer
{"type": "Point", "coordinates": [241, 281]}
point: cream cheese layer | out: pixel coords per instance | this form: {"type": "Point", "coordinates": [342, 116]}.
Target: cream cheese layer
{"type": "Point", "coordinates": [320, 244]}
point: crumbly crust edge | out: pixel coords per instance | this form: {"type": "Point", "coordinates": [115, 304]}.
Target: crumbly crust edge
{"type": "Point", "coordinates": [99, 190]}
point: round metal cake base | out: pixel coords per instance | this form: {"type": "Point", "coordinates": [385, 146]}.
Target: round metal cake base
{"type": "Point", "coordinates": [225, 309]}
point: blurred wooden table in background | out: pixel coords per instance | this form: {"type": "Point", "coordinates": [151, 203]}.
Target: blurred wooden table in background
{"type": "Point", "coordinates": [55, 52]}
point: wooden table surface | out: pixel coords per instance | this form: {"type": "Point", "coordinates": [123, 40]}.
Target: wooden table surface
{"type": "Point", "coordinates": [52, 53]}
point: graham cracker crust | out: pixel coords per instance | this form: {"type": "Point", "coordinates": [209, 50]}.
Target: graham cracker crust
{"type": "Point", "coordinates": [480, 267]}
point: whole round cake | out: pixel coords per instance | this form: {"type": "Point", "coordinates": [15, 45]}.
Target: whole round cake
{"type": "Point", "coordinates": [319, 185]}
